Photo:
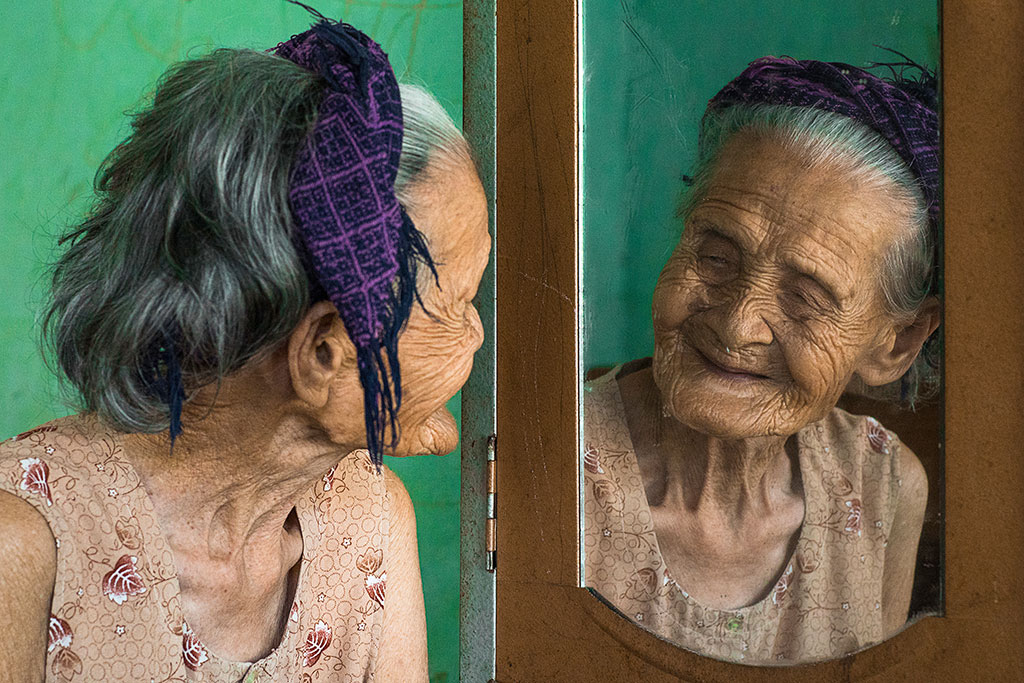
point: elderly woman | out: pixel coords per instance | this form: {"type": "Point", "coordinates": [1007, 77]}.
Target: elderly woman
{"type": "Point", "coordinates": [273, 289]}
{"type": "Point", "coordinates": [730, 506]}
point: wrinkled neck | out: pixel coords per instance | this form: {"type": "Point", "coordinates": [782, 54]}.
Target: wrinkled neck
{"type": "Point", "coordinates": [730, 479]}
{"type": "Point", "coordinates": [236, 473]}
{"type": "Point", "coordinates": [734, 477]}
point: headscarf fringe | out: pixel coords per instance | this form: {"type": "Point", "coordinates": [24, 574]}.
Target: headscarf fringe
{"type": "Point", "coordinates": [381, 372]}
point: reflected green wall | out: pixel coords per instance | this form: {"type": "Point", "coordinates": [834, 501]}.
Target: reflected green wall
{"type": "Point", "coordinates": [70, 71]}
{"type": "Point", "coordinates": [649, 69]}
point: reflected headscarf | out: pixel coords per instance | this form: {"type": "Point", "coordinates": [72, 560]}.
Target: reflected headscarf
{"type": "Point", "coordinates": [903, 111]}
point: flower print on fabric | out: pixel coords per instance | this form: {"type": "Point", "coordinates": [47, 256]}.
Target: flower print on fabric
{"type": "Point", "coordinates": [608, 495]}
{"type": "Point", "coordinates": [376, 587]}
{"type": "Point", "coordinates": [128, 532]}
{"type": "Point", "coordinates": [878, 437]}
{"type": "Point", "coordinates": [192, 651]}
{"type": "Point", "coordinates": [779, 592]}
{"type": "Point", "coordinates": [375, 583]}
{"type": "Point", "coordinates": [317, 640]}
{"type": "Point", "coordinates": [59, 634]}
{"type": "Point", "coordinates": [38, 430]}
{"type": "Point", "coordinates": [642, 585]}
{"type": "Point", "coordinates": [592, 460]}
{"type": "Point", "coordinates": [118, 572]}
{"type": "Point", "coordinates": [35, 478]}
{"type": "Point", "coordinates": [853, 519]}
{"type": "Point", "coordinates": [66, 664]}
{"type": "Point", "coordinates": [328, 478]}
{"type": "Point", "coordinates": [370, 561]}
{"type": "Point", "coordinates": [123, 580]}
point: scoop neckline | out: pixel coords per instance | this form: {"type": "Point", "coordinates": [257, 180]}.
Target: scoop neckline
{"type": "Point", "coordinates": [161, 542]}
{"type": "Point", "coordinates": [764, 603]}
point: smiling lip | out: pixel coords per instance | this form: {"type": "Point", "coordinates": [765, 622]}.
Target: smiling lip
{"type": "Point", "coordinates": [729, 371]}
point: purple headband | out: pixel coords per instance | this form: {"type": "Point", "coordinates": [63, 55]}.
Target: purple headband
{"type": "Point", "coordinates": [360, 248]}
{"type": "Point", "coordinates": [904, 112]}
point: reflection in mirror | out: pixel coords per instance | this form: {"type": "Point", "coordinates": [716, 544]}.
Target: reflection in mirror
{"type": "Point", "coordinates": [761, 290]}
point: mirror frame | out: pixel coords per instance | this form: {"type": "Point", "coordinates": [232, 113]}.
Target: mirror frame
{"type": "Point", "coordinates": [547, 626]}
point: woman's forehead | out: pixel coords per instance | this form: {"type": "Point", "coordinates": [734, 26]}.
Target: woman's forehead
{"type": "Point", "coordinates": [765, 195]}
{"type": "Point", "coordinates": [452, 215]}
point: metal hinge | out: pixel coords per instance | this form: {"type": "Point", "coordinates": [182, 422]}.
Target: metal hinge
{"type": "Point", "coordinates": [492, 489]}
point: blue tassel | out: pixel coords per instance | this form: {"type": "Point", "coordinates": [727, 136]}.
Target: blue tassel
{"type": "Point", "coordinates": [163, 379]}
{"type": "Point", "coordinates": [338, 35]}
{"type": "Point", "coordinates": [924, 88]}
{"type": "Point", "coordinates": [382, 395]}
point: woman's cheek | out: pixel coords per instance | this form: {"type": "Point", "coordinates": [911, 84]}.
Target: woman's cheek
{"type": "Point", "coordinates": [672, 298]}
{"type": "Point", "coordinates": [812, 365]}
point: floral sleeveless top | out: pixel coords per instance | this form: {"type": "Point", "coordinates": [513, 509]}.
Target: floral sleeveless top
{"type": "Point", "coordinates": [828, 600]}
{"type": "Point", "coordinates": [116, 613]}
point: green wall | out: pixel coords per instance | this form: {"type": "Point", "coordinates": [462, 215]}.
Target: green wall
{"type": "Point", "coordinates": [70, 71]}
{"type": "Point", "coordinates": [650, 66]}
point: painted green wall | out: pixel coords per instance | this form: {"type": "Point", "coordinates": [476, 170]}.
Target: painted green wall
{"type": "Point", "coordinates": [70, 71]}
{"type": "Point", "coordinates": [650, 67]}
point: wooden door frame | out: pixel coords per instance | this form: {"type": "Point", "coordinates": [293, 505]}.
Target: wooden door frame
{"type": "Point", "coordinates": [550, 629]}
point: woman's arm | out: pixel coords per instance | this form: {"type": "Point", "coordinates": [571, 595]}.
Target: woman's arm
{"type": "Point", "coordinates": [27, 574]}
{"type": "Point", "coordinates": [901, 553]}
{"type": "Point", "coordinates": [403, 649]}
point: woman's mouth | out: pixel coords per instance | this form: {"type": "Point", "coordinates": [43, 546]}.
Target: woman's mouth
{"type": "Point", "coordinates": [728, 370]}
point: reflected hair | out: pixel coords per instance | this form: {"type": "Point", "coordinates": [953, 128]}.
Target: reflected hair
{"type": "Point", "coordinates": [907, 271]}
{"type": "Point", "coordinates": [191, 234]}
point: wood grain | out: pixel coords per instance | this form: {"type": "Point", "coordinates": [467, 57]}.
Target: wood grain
{"type": "Point", "coordinates": [549, 629]}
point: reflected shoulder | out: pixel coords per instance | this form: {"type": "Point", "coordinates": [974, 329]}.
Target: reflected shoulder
{"type": "Point", "coordinates": [913, 479]}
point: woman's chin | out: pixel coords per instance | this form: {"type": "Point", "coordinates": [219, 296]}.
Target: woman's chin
{"type": "Point", "coordinates": [437, 435]}
{"type": "Point", "coordinates": [725, 417]}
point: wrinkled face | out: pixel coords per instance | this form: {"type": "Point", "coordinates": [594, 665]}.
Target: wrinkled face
{"type": "Point", "coordinates": [436, 354]}
{"type": "Point", "coordinates": [770, 301]}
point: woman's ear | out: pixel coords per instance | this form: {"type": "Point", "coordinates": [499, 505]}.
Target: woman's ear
{"type": "Point", "coordinates": [318, 350]}
{"type": "Point", "coordinates": [893, 357]}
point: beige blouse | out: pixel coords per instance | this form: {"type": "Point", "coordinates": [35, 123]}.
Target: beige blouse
{"type": "Point", "coordinates": [116, 613]}
{"type": "Point", "coordinates": [828, 600]}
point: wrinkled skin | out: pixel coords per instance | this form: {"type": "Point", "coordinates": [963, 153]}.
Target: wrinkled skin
{"type": "Point", "coordinates": [436, 346]}
{"type": "Point", "coordinates": [767, 308]}
{"type": "Point", "coordinates": [256, 443]}
{"type": "Point", "coordinates": [770, 302]}
{"type": "Point", "coordinates": [436, 355]}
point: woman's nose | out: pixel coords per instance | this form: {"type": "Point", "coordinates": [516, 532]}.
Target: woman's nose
{"type": "Point", "coordinates": [743, 319]}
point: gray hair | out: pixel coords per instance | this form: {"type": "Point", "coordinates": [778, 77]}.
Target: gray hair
{"type": "Point", "coordinates": [819, 137]}
{"type": "Point", "coordinates": [191, 232]}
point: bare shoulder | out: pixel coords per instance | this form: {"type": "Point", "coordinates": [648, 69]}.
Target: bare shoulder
{"type": "Point", "coordinates": [401, 508]}
{"type": "Point", "coordinates": [903, 538]}
{"type": "Point", "coordinates": [26, 536]}
{"type": "Point", "coordinates": [403, 651]}
{"type": "Point", "coordinates": [27, 577]}
{"type": "Point", "coordinates": [913, 481]}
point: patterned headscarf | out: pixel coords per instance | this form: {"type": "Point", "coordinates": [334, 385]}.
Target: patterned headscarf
{"type": "Point", "coordinates": [360, 248]}
{"type": "Point", "coordinates": [903, 111]}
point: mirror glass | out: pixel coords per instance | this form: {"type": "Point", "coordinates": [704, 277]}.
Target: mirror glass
{"type": "Point", "coordinates": [761, 447]}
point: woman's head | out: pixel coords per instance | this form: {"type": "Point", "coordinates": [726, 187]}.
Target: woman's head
{"type": "Point", "coordinates": [192, 238]}
{"type": "Point", "coordinates": [440, 337]}
{"type": "Point", "coordinates": [808, 253]}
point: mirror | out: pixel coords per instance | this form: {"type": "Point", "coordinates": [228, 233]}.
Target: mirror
{"type": "Point", "coordinates": [761, 447]}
